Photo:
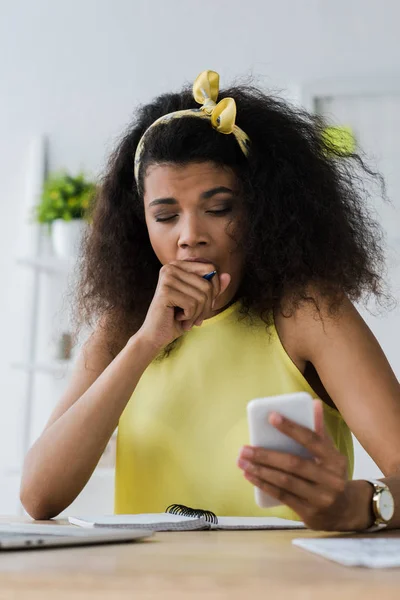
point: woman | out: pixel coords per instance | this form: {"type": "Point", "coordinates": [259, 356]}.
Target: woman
{"type": "Point", "coordinates": [271, 213]}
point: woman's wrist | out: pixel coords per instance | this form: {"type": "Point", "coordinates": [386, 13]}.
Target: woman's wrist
{"type": "Point", "coordinates": [142, 347]}
{"type": "Point", "coordinates": [358, 515]}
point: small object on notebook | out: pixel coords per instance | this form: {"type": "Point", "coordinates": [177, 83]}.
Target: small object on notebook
{"type": "Point", "coordinates": [376, 552]}
{"type": "Point", "coordinates": [184, 518]}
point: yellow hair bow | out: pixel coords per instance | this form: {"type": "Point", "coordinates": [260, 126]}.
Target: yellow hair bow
{"type": "Point", "coordinates": [205, 92]}
{"type": "Point", "coordinates": [221, 115]}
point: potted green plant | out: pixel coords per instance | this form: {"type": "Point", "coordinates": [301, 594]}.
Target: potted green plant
{"type": "Point", "coordinates": [63, 207]}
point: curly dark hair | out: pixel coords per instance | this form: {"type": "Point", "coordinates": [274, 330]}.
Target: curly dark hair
{"type": "Point", "coordinates": [306, 207]}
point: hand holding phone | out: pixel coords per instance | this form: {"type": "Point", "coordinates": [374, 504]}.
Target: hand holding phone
{"type": "Point", "coordinates": [297, 407]}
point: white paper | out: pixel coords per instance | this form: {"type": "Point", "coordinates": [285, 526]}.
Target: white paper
{"type": "Point", "coordinates": [257, 523]}
{"type": "Point", "coordinates": [374, 552]}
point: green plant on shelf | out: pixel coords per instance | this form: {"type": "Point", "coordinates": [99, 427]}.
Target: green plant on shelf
{"type": "Point", "coordinates": [64, 197]}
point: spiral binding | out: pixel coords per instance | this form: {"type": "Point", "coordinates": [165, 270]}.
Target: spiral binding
{"type": "Point", "coordinates": [186, 511]}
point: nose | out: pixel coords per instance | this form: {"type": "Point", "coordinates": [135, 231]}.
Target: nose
{"type": "Point", "coordinates": [192, 233]}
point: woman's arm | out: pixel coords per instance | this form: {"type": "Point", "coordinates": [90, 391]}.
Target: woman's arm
{"type": "Point", "coordinates": [358, 378]}
{"type": "Point", "coordinates": [61, 461]}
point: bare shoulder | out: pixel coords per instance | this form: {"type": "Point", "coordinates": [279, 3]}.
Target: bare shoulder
{"type": "Point", "coordinates": [316, 322]}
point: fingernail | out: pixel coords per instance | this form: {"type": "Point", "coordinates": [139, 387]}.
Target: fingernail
{"type": "Point", "coordinates": [243, 464]}
{"type": "Point", "coordinates": [275, 419]}
{"type": "Point", "coordinates": [246, 452]}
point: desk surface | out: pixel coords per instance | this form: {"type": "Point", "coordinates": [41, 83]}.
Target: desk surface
{"type": "Point", "coordinates": [191, 565]}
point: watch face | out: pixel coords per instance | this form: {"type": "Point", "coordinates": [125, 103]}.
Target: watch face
{"type": "Point", "coordinates": [386, 505]}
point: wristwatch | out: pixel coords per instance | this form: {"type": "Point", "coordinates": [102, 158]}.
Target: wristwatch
{"type": "Point", "coordinates": [382, 505]}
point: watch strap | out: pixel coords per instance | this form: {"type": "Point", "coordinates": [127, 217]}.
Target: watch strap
{"type": "Point", "coordinates": [375, 527]}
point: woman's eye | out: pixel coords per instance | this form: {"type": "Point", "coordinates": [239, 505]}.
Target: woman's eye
{"type": "Point", "coordinates": [219, 212]}
{"type": "Point", "coordinates": [160, 220]}
{"type": "Point", "coordinates": [222, 211]}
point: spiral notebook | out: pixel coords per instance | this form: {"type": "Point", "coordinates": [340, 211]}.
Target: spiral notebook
{"type": "Point", "coordinates": [182, 518]}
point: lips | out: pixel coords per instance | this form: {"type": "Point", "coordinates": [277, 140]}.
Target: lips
{"type": "Point", "coordinates": [200, 260]}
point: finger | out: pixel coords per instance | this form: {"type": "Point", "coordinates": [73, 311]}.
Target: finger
{"type": "Point", "coordinates": [281, 479]}
{"type": "Point", "coordinates": [214, 284]}
{"type": "Point", "coordinates": [193, 303]}
{"type": "Point", "coordinates": [220, 282]}
{"type": "Point", "coordinates": [308, 470]}
{"type": "Point", "coordinates": [284, 467]}
{"type": "Point", "coordinates": [311, 440]}
{"type": "Point", "coordinates": [218, 285]}
{"type": "Point", "coordinates": [196, 278]}
{"type": "Point", "coordinates": [192, 285]}
{"type": "Point", "coordinates": [283, 496]}
{"type": "Point", "coordinates": [224, 281]}
{"type": "Point", "coordinates": [177, 299]}
{"type": "Point", "coordinates": [322, 448]}
{"type": "Point", "coordinates": [198, 268]}
{"type": "Point", "coordinates": [216, 289]}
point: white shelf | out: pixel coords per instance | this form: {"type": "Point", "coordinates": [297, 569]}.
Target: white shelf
{"type": "Point", "coordinates": [47, 264]}
{"type": "Point", "coordinates": [51, 368]}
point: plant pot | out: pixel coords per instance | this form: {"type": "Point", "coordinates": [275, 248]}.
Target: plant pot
{"type": "Point", "coordinates": [67, 237]}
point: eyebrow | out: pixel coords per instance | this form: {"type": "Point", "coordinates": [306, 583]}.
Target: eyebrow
{"type": "Point", "coordinates": [204, 196]}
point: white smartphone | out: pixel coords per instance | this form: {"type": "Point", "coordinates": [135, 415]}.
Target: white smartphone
{"type": "Point", "coordinates": [297, 407]}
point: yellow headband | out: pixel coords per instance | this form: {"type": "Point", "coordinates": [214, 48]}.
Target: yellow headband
{"type": "Point", "coordinates": [222, 115]}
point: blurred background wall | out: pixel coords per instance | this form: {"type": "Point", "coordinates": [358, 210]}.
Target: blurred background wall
{"type": "Point", "coordinates": [75, 71]}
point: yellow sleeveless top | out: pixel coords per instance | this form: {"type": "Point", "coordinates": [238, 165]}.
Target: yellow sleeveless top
{"type": "Point", "coordinates": [180, 433]}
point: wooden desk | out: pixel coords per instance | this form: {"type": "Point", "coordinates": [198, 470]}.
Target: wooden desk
{"type": "Point", "coordinates": [206, 565]}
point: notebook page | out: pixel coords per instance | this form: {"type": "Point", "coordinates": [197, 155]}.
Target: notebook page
{"type": "Point", "coordinates": [377, 552]}
{"type": "Point", "coordinates": [154, 521]}
{"type": "Point", "coordinates": [256, 523]}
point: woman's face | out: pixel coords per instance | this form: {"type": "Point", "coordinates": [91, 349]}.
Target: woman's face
{"type": "Point", "coordinates": [192, 211]}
